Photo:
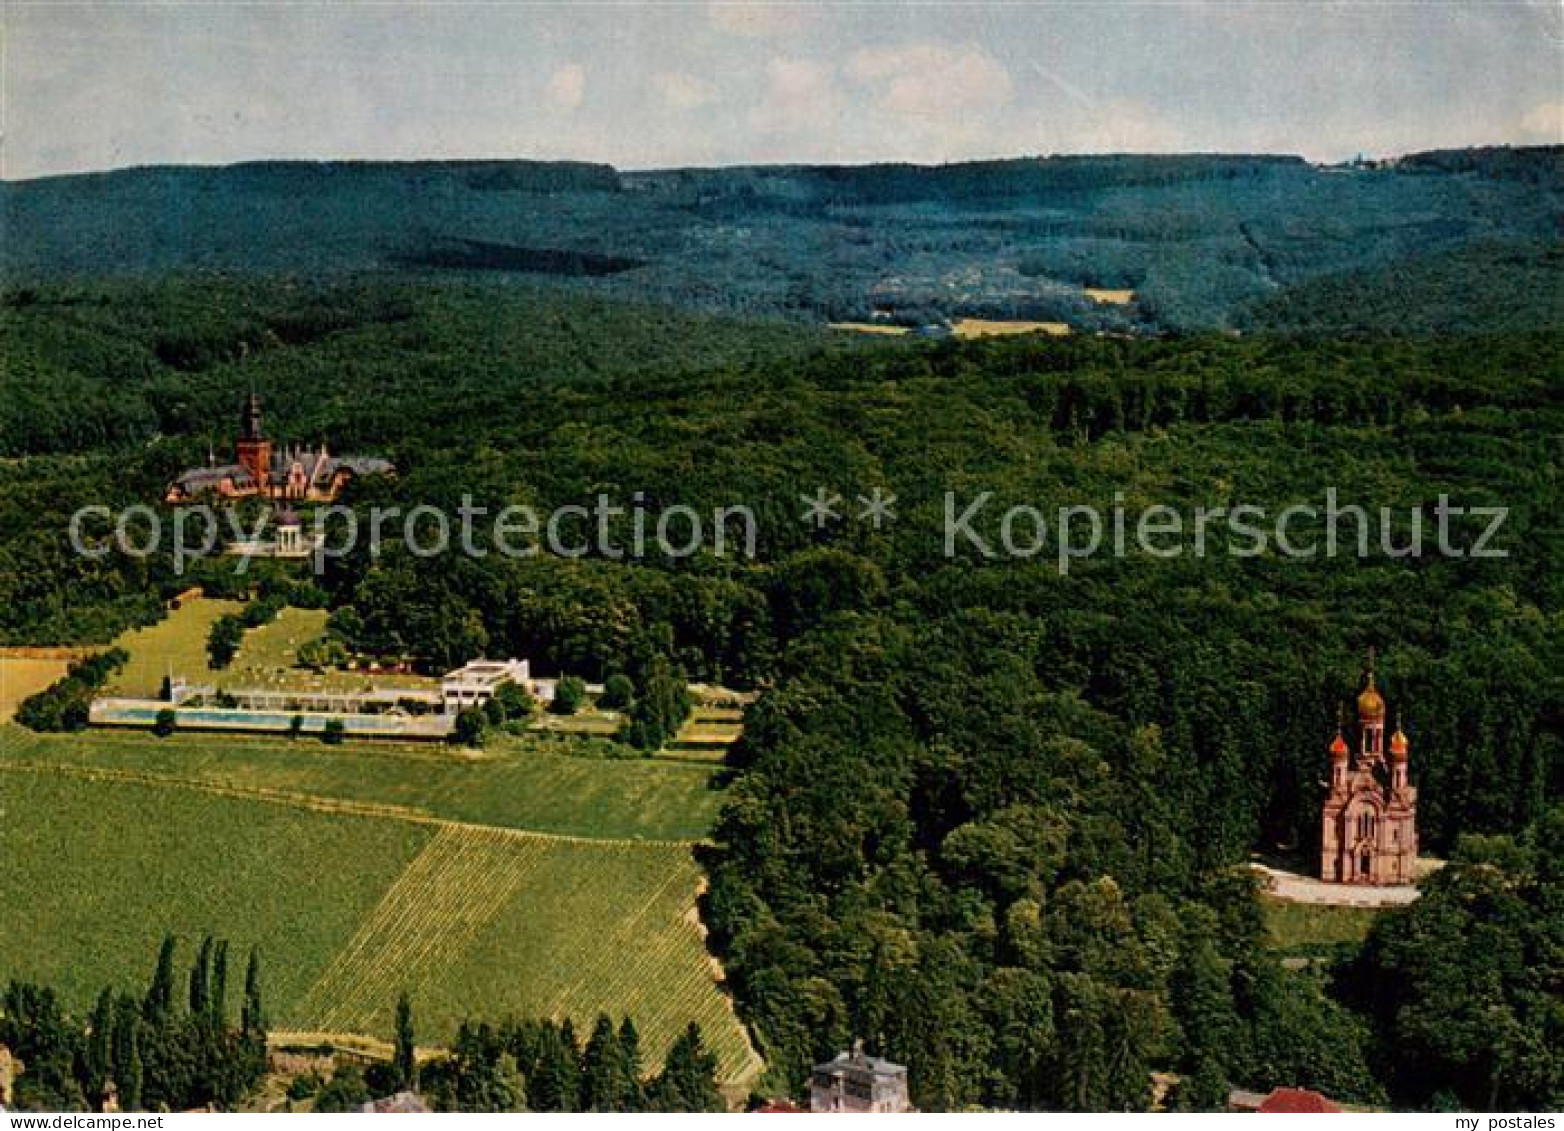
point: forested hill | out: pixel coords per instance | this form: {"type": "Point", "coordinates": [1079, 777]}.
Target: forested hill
{"type": "Point", "coordinates": [1203, 241]}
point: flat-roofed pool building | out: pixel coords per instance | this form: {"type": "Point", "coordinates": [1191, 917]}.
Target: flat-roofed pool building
{"type": "Point", "coordinates": [475, 683]}
{"type": "Point", "coordinates": [857, 1082]}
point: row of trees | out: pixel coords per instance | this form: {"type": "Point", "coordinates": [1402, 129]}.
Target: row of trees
{"type": "Point", "coordinates": [529, 1065]}
{"type": "Point", "coordinates": [174, 1048]}
{"type": "Point", "coordinates": [542, 1066]}
{"type": "Point", "coordinates": [66, 703]}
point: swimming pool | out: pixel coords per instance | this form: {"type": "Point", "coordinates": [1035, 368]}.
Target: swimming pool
{"type": "Point", "coordinates": [144, 712]}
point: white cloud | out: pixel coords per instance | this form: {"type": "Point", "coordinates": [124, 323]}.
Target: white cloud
{"type": "Point", "coordinates": [800, 95]}
{"type": "Point", "coordinates": [1125, 126]}
{"type": "Point", "coordinates": [1544, 124]}
{"type": "Point", "coordinates": [566, 87]}
{"type": "Point", "coordinates": [760, 20]}
{"type": "Point", "coordinates": [932, 80]}
{"type": "Point", "coordinates": [680, 90]}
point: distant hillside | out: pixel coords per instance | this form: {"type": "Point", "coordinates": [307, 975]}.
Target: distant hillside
{"type": "Point", "coordinates": [1203, 241]}
{"type": "Point", "coordinates": [1483, 288]}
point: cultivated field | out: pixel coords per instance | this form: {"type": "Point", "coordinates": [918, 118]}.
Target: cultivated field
{"type": "Point", "coordinates": [707, 734]}
{"type": "Point", "coordinates": [351, 900]}
{"type": "Point", "coordinates": [523, 783]}
{"type": "Point", "coordinates": [1111, 296]}
{"type": "Point", "coordinates": [992, 328]}
{"type": "Point", "coordinates": [870, 328]}
{"type": "Point", "coordinates": [364, 871]}
{"type": "Point", "coordinates": [22, 676]}
{"type": "Point", "coordinates": [96, 872]}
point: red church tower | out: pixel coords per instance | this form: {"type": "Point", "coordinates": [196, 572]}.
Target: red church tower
{"type": "Point", "coordinates": [253, 449]}
{"type": "Point", "coordinates": [1368, 829]}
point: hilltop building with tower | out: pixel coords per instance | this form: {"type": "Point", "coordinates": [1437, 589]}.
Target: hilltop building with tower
{"type": "Point", "coordinates": [1368, 829]}
{"type": "Point", "coordinates": [262, 469]}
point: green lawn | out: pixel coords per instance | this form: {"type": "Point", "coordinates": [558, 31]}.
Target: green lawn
{"type": "Point", "coordinates": [523, 783]}
{"type": "Point", "coordinates": [267, 658]}
{"type": "Point", "coordinates": [1298, 928]}
{"type": "Point", "coordinates": [349, 911]}
{"type": "Point", "coordinates": [177, 644]}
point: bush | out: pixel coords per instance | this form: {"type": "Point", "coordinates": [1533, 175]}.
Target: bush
{"type": "Point", "coordinates": [167, 722]}
{"type": "Point", "coordinates": [333, 734]}
{"type": "Point", "coordinates": [470, 727]}
{"type": "Point", "coordinates": [322, 653]}
{"type": "Point", "coordinates": [660, 710]}
{"type": "Point", "coordinates": [511, 704]}
{"type": "Point", "coordinates": [304, 1085]}
{"type": "Point", "coordinates": [618, 692]}
{"type": "Point", "coordinates": [345, 1092]}
{"type": "Point", "coordinates": [66, 703]}
{"type": "Point", "coordinates": [569, 694]}
{"type": "Point", "coordinates": [222, 643]}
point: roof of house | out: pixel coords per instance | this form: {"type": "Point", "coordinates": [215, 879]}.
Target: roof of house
{"type": "Point", "coordinates": [317, 466]}
{"type": "Point", "coordinates": [199, 478]}
{"type": "Point", "coordinates": [1296, 1101]}
{"type": "Point", "coordinates": [858, 1061]}
{"type": "Point", "coordinates": [401, 1102]}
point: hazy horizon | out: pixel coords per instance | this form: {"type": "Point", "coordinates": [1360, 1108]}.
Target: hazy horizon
{"type": "Point", "coordinates": [91, 88]}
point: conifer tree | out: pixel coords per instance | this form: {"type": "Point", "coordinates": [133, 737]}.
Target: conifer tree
{"type": "Point", "coordinates": [200, 982]}
{"type": "Point", "coordinates": [630, 1052]}
{"type": "Point", "coordinates": [688, 1081]}
{"type": "Point", "coordinates": [252, 1019]}
{"type": "Point", "coordinates": [404, 1063]}
{"type": "Point", "coordinates": [604, 1082]}
{"type": "Point", "coordinates": [133, 1072]}
{"type": "Point", "coordinates": [100, 1043]}
{"type": "Point", "coordinates": [159, 1003]}
{"type": "Point", "coordinates": [218, 988]}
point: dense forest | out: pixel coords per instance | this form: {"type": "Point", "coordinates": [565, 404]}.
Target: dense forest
{"type": "Point", "coordinates": [987, 814]}
{"type": "Point", "coordinates": [1205, 241]}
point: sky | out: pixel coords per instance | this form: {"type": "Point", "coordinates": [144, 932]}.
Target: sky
{"type": "Point", "coordinates": [641, 85]}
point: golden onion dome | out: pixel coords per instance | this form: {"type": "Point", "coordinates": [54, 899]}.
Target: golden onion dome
{"type": "Point", "coordinates": [1338, 747]}
{"type": "Point", "coordinates": [1371, 704]}
{"type": "Point", "coordinates": [1398, 745]}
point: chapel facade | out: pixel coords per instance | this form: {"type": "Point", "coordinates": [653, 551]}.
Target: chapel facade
{"type": "Point", "coordinates": [1368, 832]}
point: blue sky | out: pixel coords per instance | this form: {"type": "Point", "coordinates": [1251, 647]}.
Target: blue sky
{"type": "Point", "coordinates": [639, 85]}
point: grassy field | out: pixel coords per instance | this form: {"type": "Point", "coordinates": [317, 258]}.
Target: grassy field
{"type": "Point", "coordinates": [24, 676]}
{"type": "Point", "coordinates": [1297, 928]}
{"type": "Point", "coordinates": [521, 783]}
{"type": "Point", "coordinates": [176, 643]}
{"type": "Point", "coordinates": [266, 660]}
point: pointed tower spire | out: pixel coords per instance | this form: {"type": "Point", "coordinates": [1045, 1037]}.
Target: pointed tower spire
{"type": "Point", "coordinates": [251, 421]}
